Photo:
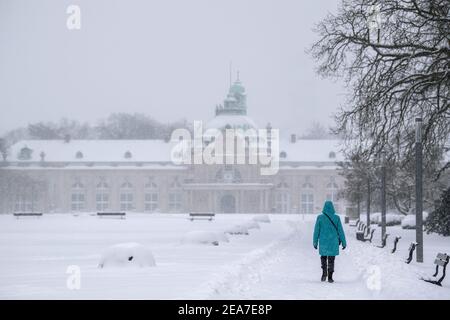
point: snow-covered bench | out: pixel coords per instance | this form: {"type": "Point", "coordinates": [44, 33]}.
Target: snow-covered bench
{"type": "Point", "coordinates": [411, 249]}
{"type": "Point", "coordinates": [395, 244]}
{"type": "Point", "coordinates": [27, 214]}
{"type": "Point", "coordinates": [121, 215]}
{"type": "Point", "coordinates": [442, 260]}
{"type": "Point", "coordinates": [354, 223]}
{"type": "Point", "coordinates": [201, 215]}
{"type": "Point", "coordinates": [361, 236]}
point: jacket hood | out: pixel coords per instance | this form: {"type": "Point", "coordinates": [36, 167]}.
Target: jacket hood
{"type": "Point", "coordinates": [328, 208]}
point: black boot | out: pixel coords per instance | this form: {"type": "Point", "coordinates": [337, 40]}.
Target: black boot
{"type": "Point", "coordinates": [330, 277]}
{"type": "Point", "coordinates": [323, 261]}
{"type": "Point", "coordinates": [330, 269]}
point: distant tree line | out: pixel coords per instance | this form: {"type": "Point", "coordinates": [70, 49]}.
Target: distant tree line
{"type": "Point", "coordinates": [115, 126]}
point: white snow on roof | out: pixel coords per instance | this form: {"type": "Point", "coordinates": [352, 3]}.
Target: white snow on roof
{"type": "Point", "coordinates": [95, 150]}
{"type": "Point", "coordinates": [311, 151]}
{"type": "Point", "coordinates": [154, 151]}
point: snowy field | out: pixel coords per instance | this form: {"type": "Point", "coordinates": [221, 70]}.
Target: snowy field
{"type": "Point", "coordinates": [276, 261]}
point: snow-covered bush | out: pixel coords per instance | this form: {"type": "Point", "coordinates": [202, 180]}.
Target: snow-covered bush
{"type": "Point", "coordinates": [392, 218]}
{"type": "Point", "coordinates": [202, 237]}
{"type": "Point", "coordinates": [251, 225]}
{"type": "Point", "coordinates": [409, 222]}
{"type": "Point", "coordinates": [374, 217]}
{"type": "Point", "coordinates": [263, 218]}
{"type": "Point", "coordinates": [237, 229]}
{"type": "Point", "coordinates": [127, 254]}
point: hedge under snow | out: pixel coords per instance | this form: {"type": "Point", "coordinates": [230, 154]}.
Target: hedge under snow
{"type": "Point", "coordinates": [127, 254]}
{"type": "Point", "coordinates": [203, 237]}
{"type": "Point", "coordinates": [251, 225]}
{"type": "Point", "coordinates": [409, 222]}
{"type": "Point", "coordinates": [237, 229]}
{"type": "Point", "coordinates": [263, 218]}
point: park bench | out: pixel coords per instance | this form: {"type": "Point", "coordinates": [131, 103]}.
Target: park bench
{"type": "Point", "coordinates": [201, 215]}
{"type": "Point", "coordinates": [442, 260]}
{"type": "Point", "coordinates": [120, 215]}
{"type": "Point", "coordinates": [411, 249]}
{"type": "Point", "coordinates": [395, 244]}
{"type": "Point", "coordinates": [27, 214]}
{"type": "Point", "coordinates": [354, 223]}
{"type": "Point", "coordinates": [383, 240]}
{"type": "Point", "coordinates": [364, 228]}
{"type": "Point", "coordinates": [361, 236]}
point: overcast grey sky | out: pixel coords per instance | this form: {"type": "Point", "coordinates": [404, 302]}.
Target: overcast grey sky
{"type": "Point", "coordinates": [166, 58]}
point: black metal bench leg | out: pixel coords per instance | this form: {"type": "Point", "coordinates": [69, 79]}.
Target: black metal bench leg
{"type": "Point", "coordinates": [437, 270]}
{"type": "Point", "coordinates": [443, 274]}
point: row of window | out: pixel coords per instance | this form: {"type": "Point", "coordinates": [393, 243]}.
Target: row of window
{"type": "Point", "coordinates": [126, 197]}
{"type": "Point", "coordinates": [283, 203]}
{"type": "Point", "coordinates": [126, 201]}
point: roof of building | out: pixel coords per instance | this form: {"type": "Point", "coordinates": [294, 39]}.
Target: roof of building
{"type": "Point", "coordinates": [134, 151]}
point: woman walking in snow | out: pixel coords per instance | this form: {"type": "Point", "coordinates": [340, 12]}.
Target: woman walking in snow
{"type": "Point", "coordinates": [328, 234]}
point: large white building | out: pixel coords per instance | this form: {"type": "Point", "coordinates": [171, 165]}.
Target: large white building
{"type": "Point", "coordinates": [138, 175]}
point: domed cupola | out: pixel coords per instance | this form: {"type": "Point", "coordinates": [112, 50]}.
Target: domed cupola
{"type": "Point", "coordinates": [236, 100]}
{"type": "Point", "coordinates": [233, 112]}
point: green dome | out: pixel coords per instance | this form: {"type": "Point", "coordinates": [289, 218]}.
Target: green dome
{"type": "Point", "coordinates": [237, 88]}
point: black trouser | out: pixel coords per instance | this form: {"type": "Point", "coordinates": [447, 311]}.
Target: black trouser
{"type": "Point", "coordinates": [323, 260]}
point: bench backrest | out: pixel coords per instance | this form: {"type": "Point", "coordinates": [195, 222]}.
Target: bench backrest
{"type": "Point", "coordinates": [201, 214]}
{"type": "Point", "coordinates": [441, 259]}
{"type": "Point", "coordinates": [27, 214]}
{"type": "Point", "coordinates": [110, 213]}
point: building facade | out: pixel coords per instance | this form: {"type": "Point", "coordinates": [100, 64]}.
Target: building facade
{"type": "Point", "coordinates": [139, 175]}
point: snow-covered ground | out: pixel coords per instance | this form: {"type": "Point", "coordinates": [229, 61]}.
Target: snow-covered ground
{"type": "Point", "coordinates": [276, 261]}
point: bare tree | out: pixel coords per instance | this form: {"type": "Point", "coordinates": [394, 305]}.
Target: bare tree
{"type": "Point", "coordinates": [395, 73]}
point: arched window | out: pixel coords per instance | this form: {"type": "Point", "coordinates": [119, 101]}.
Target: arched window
{"type": "Point", "coordinates": [332, 192]}
{"type": "Point", "coordinates": [175, 196]}
{"type": "Point", "coordinates": [126, 196]}
{"type": "Point", "coordinates": [78, 197]}
{"type": "Point", "coordinates": [282, 198]}
{"type": "Point", "coordinates": [151, 196]}
{"type": "Point", "coordinates": [25, 153]}
{"type": "Point", "coordinates": [79, 155]}
{"type": "Point", "coordinates": [102, 196]}
{"type": "Point", "coordinates": [307, 197]}
{"type": "Point", "coordinates": [23, 203]}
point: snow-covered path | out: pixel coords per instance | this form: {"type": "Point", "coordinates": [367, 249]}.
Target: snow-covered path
{"type": "Point", "coordinates": [276, 261]}
{"type": "Point", "coordinates": [363, 271]}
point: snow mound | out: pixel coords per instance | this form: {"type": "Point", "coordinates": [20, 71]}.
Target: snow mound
{"type": "Point", "coordinates": [237, 229]}
{"type": "Point", "coordinates": [202, 237]}
{"type": "Point", "coordinates": [251, 225]}
{"type": "Point", "coordinates": [409, 222]}
{"type": "Point", "coordinates": [222, 236]}
{"type": "Point", "coordinates": [127, 254]}
{"type": "Point", "coordinates": [392, 218]}
{"type": "Point", "coordinates": [264, 218]}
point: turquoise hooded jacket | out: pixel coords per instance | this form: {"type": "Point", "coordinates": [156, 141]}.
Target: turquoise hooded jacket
{"type": "Point", "coordinates": [325, 234]}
